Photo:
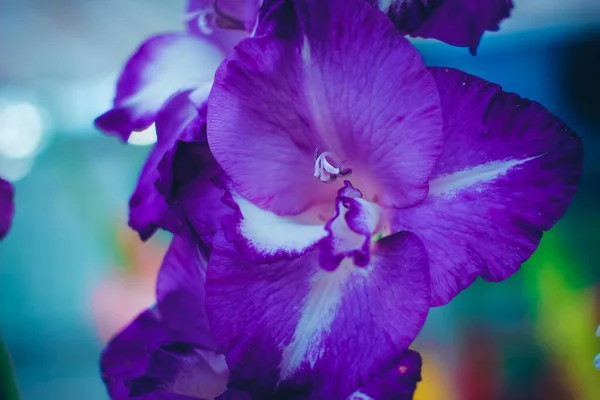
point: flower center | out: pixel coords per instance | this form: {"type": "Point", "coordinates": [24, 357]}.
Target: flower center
{"type": "Point", "coordinates": [327, 169]}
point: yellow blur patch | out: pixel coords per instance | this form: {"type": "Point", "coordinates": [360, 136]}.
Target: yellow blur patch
{"type": "Point", "coordinates": [434, 385]}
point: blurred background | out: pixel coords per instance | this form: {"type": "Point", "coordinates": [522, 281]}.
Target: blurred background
{"type": "Point", "coordinates": [72, 273]}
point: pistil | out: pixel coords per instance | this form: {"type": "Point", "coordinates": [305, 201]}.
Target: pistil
{"type": "Point", "coordinates": [326, 170]}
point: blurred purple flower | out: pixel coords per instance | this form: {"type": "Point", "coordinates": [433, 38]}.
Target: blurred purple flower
{"type": "Point", "coordinates": [171, 63]}
{"type": "Point", "coordinates": [7, 207]}
{"type": "Point", "coordinates": [179, 166]}
{"type": "Point", "coordinates": [167, 81]}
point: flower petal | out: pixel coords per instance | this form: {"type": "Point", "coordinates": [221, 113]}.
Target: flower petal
{"type": "Point", "coordinates": [181, 293]}
{"type": "Point", "coordinates": [175, 185]}
{"type": "Point", "coordinates": [131, 363]}
{"type": "Point", "coordinates": [147, 207]}
{"type": "Point", "coordinates": [292, 328]}
{"type": "Point", "coordinates": [182, 369]}
{"type": "Point", "coordinates": [350, 230]}
{"type": "Point", "coordinates": [186, 174]}
{"type": "Point", "coordinates": [398, 383]}
{"type": "Point", "coordinates": [225, 27]}
{"type": "Point", "coordinates": [161, 67]}
{"type": "Point", "coordinates": [125, 355]}
{"type": "Point", "coordinates": [261, 235]}
{"type": "Point", "coordinates": [456, 22]}
{"type": "Point", "coordinates": [508, 173]}
{"type": "Point", "coordinates": [277, 99]}
{"type": "Point", "coordinates": [7, 206]}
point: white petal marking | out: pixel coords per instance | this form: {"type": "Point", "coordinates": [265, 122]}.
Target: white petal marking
{"type": "Point", "coordinates": [450, 183]}
{"type": "Point", "coordinates": [181, 64]}
{"type": "Point", "coordinates": [344, 238]}
{"type": "Point", "coordinates": [359, 396]}
{"type": "Point", "coordinates": [270, 233]}
{"type": "Point", "coordinates": [318, 313]}
{"type": "Point", "coordinates": [371, 213]}
{"type": "Point", "coordinates": [306, 51]}
{"type": "Point", "coordinates": [200, 95]}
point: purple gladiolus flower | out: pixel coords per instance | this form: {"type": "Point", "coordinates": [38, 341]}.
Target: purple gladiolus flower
{"type": "Point", "coordinates": [336, 141]}
{"type": "Point", "coordinates": [7, 207]}
{"type": "Point", "coordinates": [169, 353]}
{"type": "Point", "coordinates": [339, 188]}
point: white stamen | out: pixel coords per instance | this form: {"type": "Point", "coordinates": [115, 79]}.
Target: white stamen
{"type": "Point", "coordinates": [324, 170]}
